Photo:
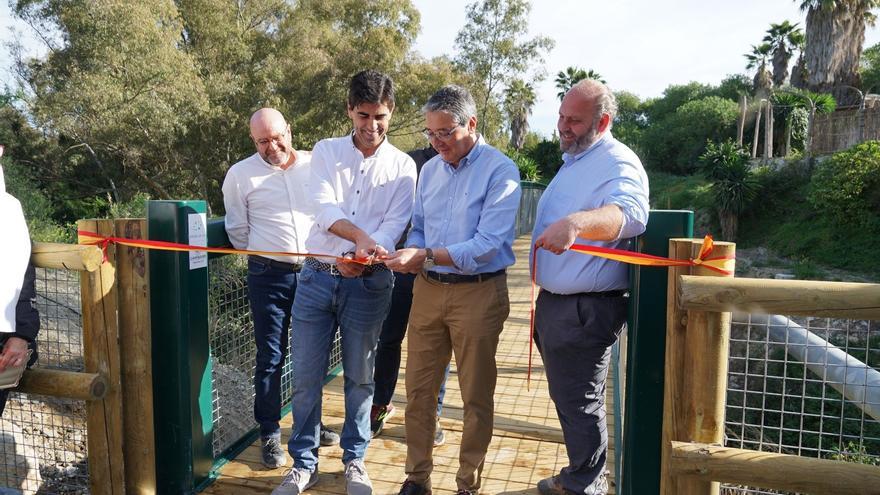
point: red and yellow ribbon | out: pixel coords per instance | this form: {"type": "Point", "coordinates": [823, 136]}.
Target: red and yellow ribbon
{"type": "Point", "coordinates": [104, 241]}
{"type": "Point", "coordinates": [721, 264]}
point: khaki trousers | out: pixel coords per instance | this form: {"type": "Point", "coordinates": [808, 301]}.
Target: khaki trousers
{"type": "Point", "coordinates": [466, 319]}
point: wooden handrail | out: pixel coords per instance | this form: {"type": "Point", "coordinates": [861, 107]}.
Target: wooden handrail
{"type": "Point", "coordinates": [66, 256]}
{"type": "Point", "coordinates": [788, 297]}
{"type": "Point", "coordinates": [788, 473]}
{"type": "Point", "coordinates": [64, 384]}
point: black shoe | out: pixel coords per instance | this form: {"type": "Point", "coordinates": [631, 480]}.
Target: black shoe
{"type": "Point", "coordinates": [328, 436]}
{"type": "Point", "coordinates": [412, 488]}
{"type": "Point", "coordinates": [379, 415]}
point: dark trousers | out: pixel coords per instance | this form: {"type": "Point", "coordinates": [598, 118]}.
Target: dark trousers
{"type": "Point", "coordinates": [270, 291]}
{"type": "Point", "coordinates": [574, 334]}
{"type": "Point", "coordinates": [390, 339]}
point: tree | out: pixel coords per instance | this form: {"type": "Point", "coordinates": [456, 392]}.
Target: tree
{"type": "Point", "coordinates": [734, 185]}
{"type": "Point", "coordinates": [571, 76]}
{"type": "Point", "coordinates": [491, 47]}
{"type": "Point", "coordinates": [799, 72]}
{"type": "Point", "coordinates": [630, 121]}
{"type": "Point", "coordinates": [835, 33]}
{"type": "Point", "coordinates": [782, 39]}
{"type": "Point", "coordinates": [519, 98]}
{"type": "Point", "coordinates": [757, 59]}
{"type": "Point", "coordinates": [675, 142]}
{"type": "Point", "coordinates": [870, 69]}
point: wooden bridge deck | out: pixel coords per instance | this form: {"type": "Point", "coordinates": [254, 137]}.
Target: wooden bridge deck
{"type": "Point", "coordinates": [526, 447]}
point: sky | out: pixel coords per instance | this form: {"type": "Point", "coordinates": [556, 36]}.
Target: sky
{"type": "Point", "coordinates": [641, 46]}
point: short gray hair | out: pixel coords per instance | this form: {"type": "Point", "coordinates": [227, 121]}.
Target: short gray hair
{"type": "Point", "coordinates": [454, 100]}
{"type": "Point", "coordinates": [606, 102]}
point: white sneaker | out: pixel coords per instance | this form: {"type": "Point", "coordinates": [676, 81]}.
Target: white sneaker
{"type": "Point", "coordinates": [296, 481]}
{"type": "Point", "coordinates": [357, 481]}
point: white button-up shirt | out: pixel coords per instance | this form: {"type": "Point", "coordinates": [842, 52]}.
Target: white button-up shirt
{"type": "Point", "coordinates": [16, 253]}
{"type": "Point", "coordinates": [375, 193]}
{"type": "Point", "coordinates": [267, 208]}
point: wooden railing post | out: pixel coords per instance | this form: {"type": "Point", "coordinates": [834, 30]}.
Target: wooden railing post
{"type": "Point", "coordinates": [137, 367]}
{"type": "Point", "coordinates": [697, 345]}
{"type": "Point", "coordinates": [101, 355]}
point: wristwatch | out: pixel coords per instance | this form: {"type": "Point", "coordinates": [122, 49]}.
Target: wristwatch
{"type": "Point", "coordinates": [429, 259]}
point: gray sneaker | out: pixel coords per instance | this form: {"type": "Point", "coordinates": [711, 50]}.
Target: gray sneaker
{"type": "Point", "coordinates": [439, 435]}
{"type": "Point", "coordinates": [328, 437]}
{"type": "Point", "coordinates": [296, 481]}
{"type": "Point", "coordinates": [273, 454]}
{"type": "Point", "coordinates": [357, 481]}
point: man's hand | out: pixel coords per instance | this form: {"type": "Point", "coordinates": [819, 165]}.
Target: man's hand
{"type": "Point", "coordinates": [14, 353]}
{"type": "Point", "coordinates": [558, 237]}
{"type": "Point", "coordinates": [409, 260]}
{"type": "Point", "coordinates": [366, 247]}
{"type": "Point", "coordinates": [350, 269]}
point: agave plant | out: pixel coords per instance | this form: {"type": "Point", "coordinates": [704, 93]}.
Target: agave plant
{"type": "Point", "coordinates": [734, 186]}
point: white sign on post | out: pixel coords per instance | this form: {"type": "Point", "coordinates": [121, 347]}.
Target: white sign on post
{"type": "Point", "coordinates": [198, 236]}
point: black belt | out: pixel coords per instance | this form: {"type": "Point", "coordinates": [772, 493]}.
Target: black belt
{"type": "Point", "coordinates": [455, 278]}
{"type": "Point", "coordinates": [607, 293]}
{"type": "Point", "coordinates": [332, 270]}
{"type": "Point", "coordinates": [281, 265]}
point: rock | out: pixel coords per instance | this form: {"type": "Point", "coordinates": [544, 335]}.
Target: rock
{"type": "Point", "coordinates": [18, 467]}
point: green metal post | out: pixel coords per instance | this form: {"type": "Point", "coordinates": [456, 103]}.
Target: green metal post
{"type": "Point", "coordinates": [181, 355]}
{"type": "Point", "coordinates": [646, 356]}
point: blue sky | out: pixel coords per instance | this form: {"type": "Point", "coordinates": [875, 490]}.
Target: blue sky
{"type": "Point", "coordinates": [641, 46]}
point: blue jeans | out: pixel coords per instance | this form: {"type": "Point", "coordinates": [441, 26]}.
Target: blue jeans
{"type": "Point", "coordinates": [390, 340]}
{"type": "Point", "coordinates": [270, 292]}
{"type": "Point", "coordinates": [357, 306]}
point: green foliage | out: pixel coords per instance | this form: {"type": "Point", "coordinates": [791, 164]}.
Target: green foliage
{"type": "Point", "coordinates": [733, 87]}
{"type": "Point", "coordinates": [856, 453]}
{"type": "Point", "coordinates": [492, 50]}
{"type": "Point", "coordinates": [847, 185]}
{"type": "Point", "coordinates": [675, 142]}
{"type": "Point", "coordinates": [674, 97]}
{"type": "Point", "coordinates": [136, 207]}
{"type": "Point", "coordinates": [630, 122]}
{"type": "Point", "coordinates": [519, 98]}
{"type": "Point", "coordinates": [726, 165]}
{"type": "Point", "coordinates": [869, 69]}
{"type": "Point", "coordinates": [528, 167]}
{"type": "Point", "coordinates": [547, 155]}
{"type": "Point", "coordinates": [679, 192]}
{"type": "Point", "coordinates": [37, 207]}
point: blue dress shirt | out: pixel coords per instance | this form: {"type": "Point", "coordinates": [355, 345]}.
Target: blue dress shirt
{"type": "Point", "coordinates": [608, 172]}
{"type": "Point", "coordinates": [470, 210]}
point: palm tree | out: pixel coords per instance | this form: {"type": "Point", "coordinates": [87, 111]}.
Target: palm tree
{"type": "Point", "coordinates": [571, 75]}
{"type": "Point", "coordinates": [726, 165]}
{"type": "Point", "coordinates": [799, 72]}
{"type": "Point", "coordinates": [779, 36]}
{"type": "Point", "coordinates": [758, 59]}
{"type": "Point", "coordinates": [519, 98]}
{"type": "Point", "coordinates": [835, 31]}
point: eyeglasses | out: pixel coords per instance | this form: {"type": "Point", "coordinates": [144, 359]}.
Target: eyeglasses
{"type": "Point", "coordinates": [443, 134]}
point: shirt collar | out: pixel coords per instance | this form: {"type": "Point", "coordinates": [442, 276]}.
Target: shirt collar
{"type": "Point", "coordinates": [275, 167]}
{"type": "Point", "coordinates": [384, 144]}
{"type": "Point", "coordinates": [472, 155]}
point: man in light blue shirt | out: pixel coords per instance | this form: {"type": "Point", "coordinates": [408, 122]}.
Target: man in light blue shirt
{"type": "Point", "coordinates": [461, 244]}
{"type": "Point", "coordinates": [599, 197]}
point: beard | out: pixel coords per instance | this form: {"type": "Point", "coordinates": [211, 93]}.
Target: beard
{"type": "Point", "coordinates": [581, 143]}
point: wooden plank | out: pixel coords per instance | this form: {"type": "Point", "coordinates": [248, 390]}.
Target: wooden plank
{"type": "Point", "coordinates": [673, 394]}
{"type": "Point", "coordinates": [786, 297]}
{"type": "Point", "coordinates": [66, 256]}
{"type": "Point", "coordinates": [101, 355]}
{"type": "Point", "coordinates": [137, 367]}
{"type": "Point", "coordinates": [62, 383]}
{"type": "Point", "coordinates": [773, 471]}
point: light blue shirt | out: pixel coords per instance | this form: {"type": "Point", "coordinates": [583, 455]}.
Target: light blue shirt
{"type": "Point", "coordinates": [608, 172]}
{"type": "Point", "coordinates": [470, 210]}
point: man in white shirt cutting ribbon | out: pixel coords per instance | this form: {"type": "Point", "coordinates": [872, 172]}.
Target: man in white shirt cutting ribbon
{"type": "Point", "coordinates": [363, 187]}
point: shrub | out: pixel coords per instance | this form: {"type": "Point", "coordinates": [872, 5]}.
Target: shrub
{"type": "Point", "coordinates": [847, 185]}
{"type": "Point", "coordinates": [547, 156]}
{"type": "Point", "coordinates": [734, 185]}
